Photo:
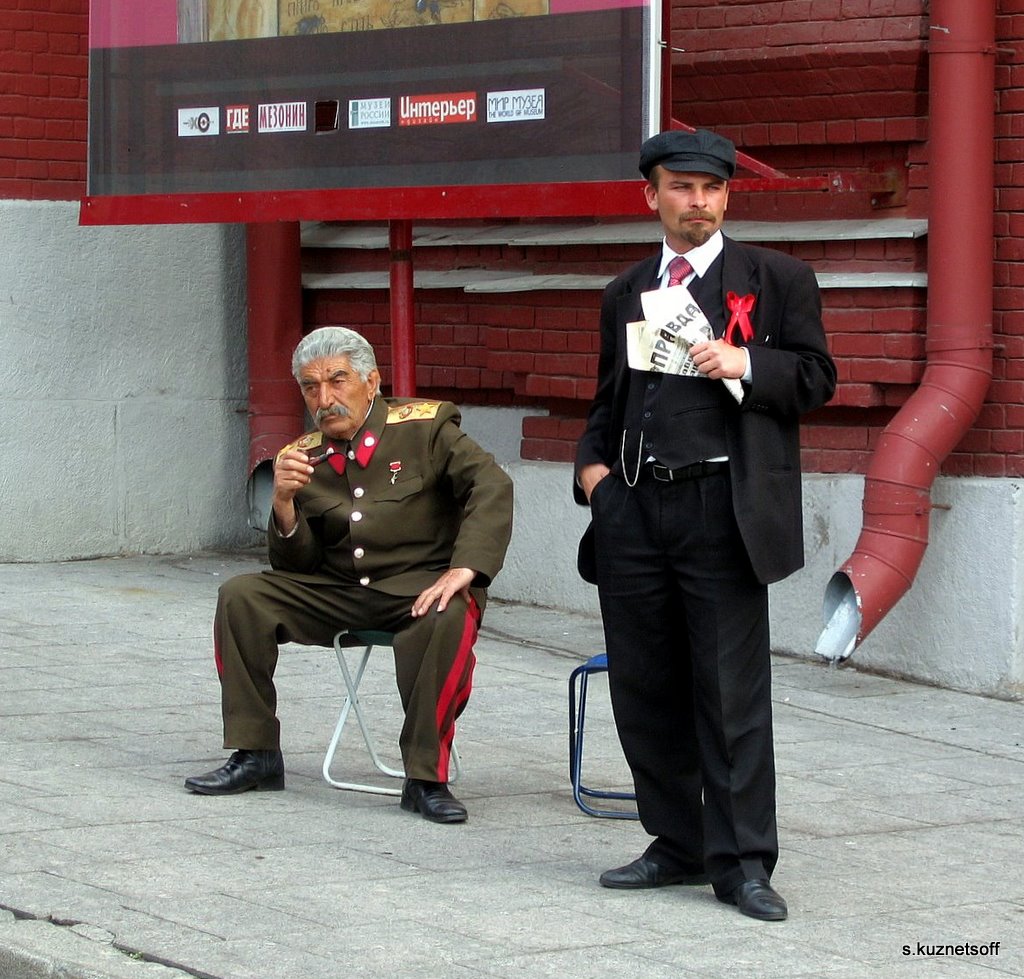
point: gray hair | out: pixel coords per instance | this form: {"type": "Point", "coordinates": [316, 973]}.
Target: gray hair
{"type": "Point", "coordinates": [334, 341]}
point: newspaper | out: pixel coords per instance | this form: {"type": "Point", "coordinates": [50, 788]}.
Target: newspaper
{"type": "Point", "coordinates": [661, 342]}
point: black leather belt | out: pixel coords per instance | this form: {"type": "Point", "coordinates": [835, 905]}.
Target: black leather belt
{"type": "Point", "coordinates": [696, 470]}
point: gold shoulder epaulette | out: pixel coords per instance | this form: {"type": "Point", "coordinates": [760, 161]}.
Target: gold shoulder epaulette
{"type": "Point", "coordinates": [413, 412]}
{"type": "Point", "coordinates": [308, 441]}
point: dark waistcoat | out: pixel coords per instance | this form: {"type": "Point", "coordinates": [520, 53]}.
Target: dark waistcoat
{"type": "Point", "coordinates": [680, 420]}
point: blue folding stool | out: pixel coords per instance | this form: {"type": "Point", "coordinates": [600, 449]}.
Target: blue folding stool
{"type": "Point", "coordinates": [577, 715]}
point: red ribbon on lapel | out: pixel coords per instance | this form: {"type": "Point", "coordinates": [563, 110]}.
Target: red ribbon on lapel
{"type": "Point", "coordinates": [740, 307]}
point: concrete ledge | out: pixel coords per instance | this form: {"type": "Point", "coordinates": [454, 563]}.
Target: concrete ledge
{"type": "Point", "coordinates": [959, 626]}
{"type": "Point", "coordinates": [492, 281]}
{"type": "Point", "coordinates": [872, 280]}
{"type": "Point", "coordinates": [443, 279]}
{"type": "Point", "coordinates": [361, 236]}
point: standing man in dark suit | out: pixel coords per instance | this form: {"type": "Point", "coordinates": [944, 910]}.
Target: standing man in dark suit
{"type": "Point", "coordinates": [387, 517]}
{"type": "Point", "coordinates": [696, 507]}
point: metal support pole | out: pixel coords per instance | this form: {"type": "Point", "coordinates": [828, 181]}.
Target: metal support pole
{"type": "Point", "coordinates": [403, 312]}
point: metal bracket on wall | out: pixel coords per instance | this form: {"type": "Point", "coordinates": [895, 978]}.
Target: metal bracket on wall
{"type": "Point", "coordinates": [885, 181]}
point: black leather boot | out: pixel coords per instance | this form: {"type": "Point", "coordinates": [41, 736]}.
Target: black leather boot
{"type": "Point", "coordinates": [244, 770]}
{"type": "Point", "coordinates": [432, 801]}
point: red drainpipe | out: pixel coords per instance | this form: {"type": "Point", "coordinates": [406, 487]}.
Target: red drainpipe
{"type": "Point", "coordinates": [276, 412]}
{"type": "Point", "coordinates": [959, 340]}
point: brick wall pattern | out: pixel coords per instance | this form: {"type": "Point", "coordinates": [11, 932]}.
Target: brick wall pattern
{"type": "Point", "coordinates": [43, 92]}
{"type": "Point", "coordinates": [809, 86]}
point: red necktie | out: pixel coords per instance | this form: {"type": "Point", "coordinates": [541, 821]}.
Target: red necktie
{"type": "Point", "coordinates": [678, 269]}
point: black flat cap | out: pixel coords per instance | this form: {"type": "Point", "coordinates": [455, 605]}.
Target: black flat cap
{"type": "Point", "coordinates": [698, 152]}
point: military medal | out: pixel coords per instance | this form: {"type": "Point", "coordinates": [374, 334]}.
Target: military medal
{"type": "Point", "coordinates": [396, 468]}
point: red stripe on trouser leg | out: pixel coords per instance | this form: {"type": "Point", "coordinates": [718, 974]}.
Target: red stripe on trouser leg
{"type": "Point", "coordinates": [446, 729]}
{"type": "Point", "coordinates": [456, 689]}
{"type": "Point", "coordinates": [218, 662]}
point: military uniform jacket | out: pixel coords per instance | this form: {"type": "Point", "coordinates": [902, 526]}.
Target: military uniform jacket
{"type": "Point", "coordinates": [416, 497]}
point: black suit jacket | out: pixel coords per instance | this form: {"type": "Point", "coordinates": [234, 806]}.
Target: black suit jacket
{"type": "Point", "coordinates": [792, 373]}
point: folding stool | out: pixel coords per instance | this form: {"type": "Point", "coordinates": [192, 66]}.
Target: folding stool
{"type": "Point", "coordinates": [577, 716]}
{"type": "Point", "coordinates": [368, 639]}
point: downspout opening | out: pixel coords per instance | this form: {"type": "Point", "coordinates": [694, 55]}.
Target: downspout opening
{"type": "Point", "coordinates": [258, 492]}
{"type": "Point", "coordinates": [842, 616]}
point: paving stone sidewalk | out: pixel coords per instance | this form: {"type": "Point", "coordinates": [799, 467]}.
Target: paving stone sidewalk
{"type": "Point", "coordinates": [900, 810]}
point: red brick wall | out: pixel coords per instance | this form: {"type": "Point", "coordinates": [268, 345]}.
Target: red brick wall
{"type": "Point", "coordinates": [540, 348]}
{"type": "Point", "coordinates": [43, 91]}
{"type": "Point", "coordinates": [995, 447]}
{"type": "Point", "coordinates": [820, 77]}
{"type": "Point", "coordinates": [809, 86]}
{"type": "Point", "coordinates": [537, 349]}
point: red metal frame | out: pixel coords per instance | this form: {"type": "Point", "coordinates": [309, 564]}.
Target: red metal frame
{"type": "Point", "coordinates": [403, 313]}
{"type": "Point", "coordinates": [609, 198]}
{"type": "Point", "coordinates": [615, 198]}
{"type": "Point", "coordinates": [375, 204]}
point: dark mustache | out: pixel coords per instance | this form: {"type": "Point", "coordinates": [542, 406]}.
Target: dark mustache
{"type": "Point", "coordinates": [703, 215]}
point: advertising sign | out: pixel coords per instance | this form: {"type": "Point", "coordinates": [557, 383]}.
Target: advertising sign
{"type": "Point", "coordinates": [204, 97]}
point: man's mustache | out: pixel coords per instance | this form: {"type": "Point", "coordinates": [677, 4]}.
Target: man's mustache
{"type": "Point", "coordinates": [321, 413]}
{"type": "Point", "coordinates": [703, 215]}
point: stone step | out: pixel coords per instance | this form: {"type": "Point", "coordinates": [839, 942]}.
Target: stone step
{"type": "Point", "coordinates": [374, 237]}
{"type": "Point", "coordinates": [496, 281]}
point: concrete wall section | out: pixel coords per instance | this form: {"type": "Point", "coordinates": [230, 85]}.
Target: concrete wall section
{"type": "Point", "coordinates": [959, 626]}
{"type": "Point", "coordinates": [122, 386]}
{"type": "Point", "coordinates": [540, 567]}
{"type": "Point", "coordinates": [498, 430]}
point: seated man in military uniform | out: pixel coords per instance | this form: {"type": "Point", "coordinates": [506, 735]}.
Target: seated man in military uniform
{"type": "Point", "coordinates": [386, 517]}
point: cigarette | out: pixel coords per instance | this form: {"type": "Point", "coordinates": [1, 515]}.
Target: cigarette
{"type": "Point", "coordinates": [316, 460]}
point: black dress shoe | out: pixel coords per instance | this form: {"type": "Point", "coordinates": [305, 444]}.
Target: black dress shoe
{"type": "Point", "coordinates": [244, 770]}
{"type": "Point", "coordinates": [758, 899]}
{"type": "Point", "coordinates": [432, 801]}
{"type": "Point", "coordinates": [645, 872]}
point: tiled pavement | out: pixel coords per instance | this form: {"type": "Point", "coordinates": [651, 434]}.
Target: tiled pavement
{"type": "Point", "coordinates": [900, 810]}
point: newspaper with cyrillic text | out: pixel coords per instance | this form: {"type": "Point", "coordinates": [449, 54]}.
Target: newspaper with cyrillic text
{"type": "Point", "coordinates": [661, 342]}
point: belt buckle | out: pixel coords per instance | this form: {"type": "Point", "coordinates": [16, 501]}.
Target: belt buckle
{"type": "Point", "coordinates": [661, 473]}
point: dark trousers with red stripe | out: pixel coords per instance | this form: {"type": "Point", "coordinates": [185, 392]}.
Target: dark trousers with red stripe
{"type": "Point", "coordinates": [434, 658]}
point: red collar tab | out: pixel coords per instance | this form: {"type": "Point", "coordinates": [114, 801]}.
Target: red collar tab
{"type": "Point", "coordinates": [366, 448]}
{"type": "Point", "coordinates": [740, 307]}
{"type": "Point", "coordinates": [362, 453]}
{"type": "Point", "coordinates": [337, 461]}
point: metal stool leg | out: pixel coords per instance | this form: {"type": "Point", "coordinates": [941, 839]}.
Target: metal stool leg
{"type": "Point", "coordinates": [577, 719]}
{"type": "Point", "coordinates": [352, 705]}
